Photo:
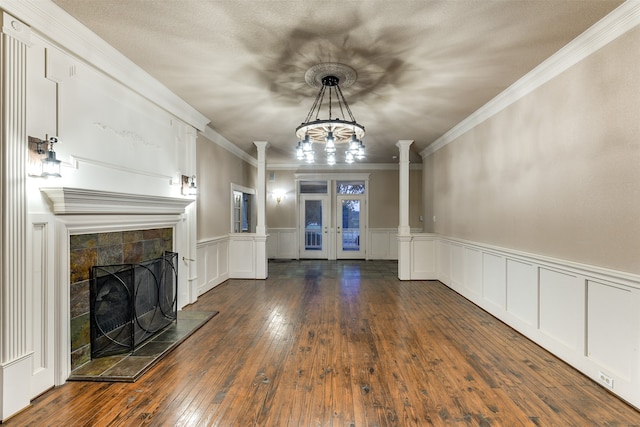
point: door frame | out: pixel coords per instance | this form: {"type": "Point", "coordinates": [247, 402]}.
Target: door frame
{"type": "Point", "coordinates": [332, 179]}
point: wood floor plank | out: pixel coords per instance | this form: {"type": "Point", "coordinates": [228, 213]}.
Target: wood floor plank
{"type": "Point", "coordinates": [326, 343]}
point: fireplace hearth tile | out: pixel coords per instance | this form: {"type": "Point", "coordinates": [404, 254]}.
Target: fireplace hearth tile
{"type": "Point", "coordinates": [130, 367]}
{"type": "Point", "coordinates": [152, 348]}
{"type": "Point", "coordinates": [99, 366]}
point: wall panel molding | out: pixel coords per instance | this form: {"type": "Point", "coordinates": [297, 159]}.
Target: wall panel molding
{"type": "Point", "coordinates": [282, 243]}
{"type": "Point", "coordinates": [212, 259]}
{"type": "Point", "coordinates": [588, 316]}
{"type": "Point", "coordinates": [78, 40]}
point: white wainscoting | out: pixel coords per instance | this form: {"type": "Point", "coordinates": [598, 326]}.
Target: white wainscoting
{"type": "Point", "coordinates": [423, 256]}
{"type": "Point", "coordinates": [586, 315]}
{"type": "Point", "coordinates": [282, 243]}
{"type": "Point", "coordinates": [382, 243]}
{"type": "Point", "coordinates": [247, 256]}
{"type": "Point", "coordinates": [212, 260]}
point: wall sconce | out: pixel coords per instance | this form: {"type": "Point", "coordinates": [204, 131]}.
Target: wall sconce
{"type": "Point", "coordinates": [42, 157]}
{"type": "Point", "coordinates": [189, 186]}
{"type": "Point", "coordinates": [278, 195]}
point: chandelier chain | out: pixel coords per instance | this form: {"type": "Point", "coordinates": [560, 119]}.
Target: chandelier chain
{"type": "Point", "coordinates": [346, 105]}
{"type": "Point", "coordinates": [318, 101]}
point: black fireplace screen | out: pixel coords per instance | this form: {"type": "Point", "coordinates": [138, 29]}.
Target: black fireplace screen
{"type": "Point", "coordinates": [129, 303]}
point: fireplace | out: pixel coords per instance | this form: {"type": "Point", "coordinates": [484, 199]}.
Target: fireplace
{"type": "Point", "coordinates": [107, 248]}
{"type": "Point", "coordinates": [130, 303]}
{"type": "Point", "coordinates": [96, 227]}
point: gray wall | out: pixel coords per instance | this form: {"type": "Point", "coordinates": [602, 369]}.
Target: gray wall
{"type": "Point", "coordinates": [557, 173]}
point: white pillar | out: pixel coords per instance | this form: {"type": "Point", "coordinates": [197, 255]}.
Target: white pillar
{"type": "Point", "coordinates": [191, 213]}
{"type": "Point", "coordinates": [404, 229]}
{"type": "Point", "coordinates": [261, 202]}
{"type": "Point", "coordinates": [15, 355]}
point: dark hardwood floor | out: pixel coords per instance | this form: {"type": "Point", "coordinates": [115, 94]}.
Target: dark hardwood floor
{"type": "Point", "coordinates": [324, 343]}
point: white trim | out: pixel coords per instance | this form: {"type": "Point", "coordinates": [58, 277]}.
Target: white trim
{"type": "Point", "coordinates": [586, 270]}
{"type": "Point", "coordinates": [335, 176]}
{"type": "Point", "coordinates": [211, 241]}
{"type": "Point", "coordinates": [612, 26]}
{"type": "Point", "coordinates": [75, 161]}
{"type": "Point", "coordinates": [243, 189]}
{"type": "Point", "coordinates": [70, 35]}
{"type": "Point", "coordinates": [223, 142]}
{"type": "Point", "coordinates": [68, 200]}
{"type": "Point", "coordinates": [340, 168]}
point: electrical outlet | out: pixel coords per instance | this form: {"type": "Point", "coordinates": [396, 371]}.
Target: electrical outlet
{"type": "Point", "coordinates": [605, 379]}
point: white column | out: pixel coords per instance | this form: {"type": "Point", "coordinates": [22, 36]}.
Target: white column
{"type": "Point", "coordinates": [191, 213]}
{"type": "Point", "coordinates": [15, 356]}
{"type": "Point", "coordinates": [404, 229]}
{"type": "Point", "coordinates": [261, 202]}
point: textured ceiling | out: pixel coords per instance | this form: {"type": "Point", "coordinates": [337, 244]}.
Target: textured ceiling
{"type": "Point", "coordinates": [422, 66]}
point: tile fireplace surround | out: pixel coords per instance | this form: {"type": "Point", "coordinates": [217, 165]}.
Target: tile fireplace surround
{"type": "Point", "coordinates": [87, 250]}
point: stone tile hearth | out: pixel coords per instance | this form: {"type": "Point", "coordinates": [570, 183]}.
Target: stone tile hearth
{"type": "Point", "coordinates": [131, 366]}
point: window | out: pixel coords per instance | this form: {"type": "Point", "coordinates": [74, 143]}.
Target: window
{"type": "Point", "coordinates": [313, 187]}
{"type": "Point", "coordinates": [242, 210]}
{"type": "Point", "coordinates": [350, 187]}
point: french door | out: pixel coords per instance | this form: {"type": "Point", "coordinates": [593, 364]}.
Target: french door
{"type": "Point", "coordinates": [350, 226]}
{"type": "Point", "coordinates": [332, 216]}
{"type": "Point", "coordinates": [314, 226]}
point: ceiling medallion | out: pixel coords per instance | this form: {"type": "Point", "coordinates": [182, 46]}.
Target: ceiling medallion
{"type": "Point", "coordinates": [333, 130]}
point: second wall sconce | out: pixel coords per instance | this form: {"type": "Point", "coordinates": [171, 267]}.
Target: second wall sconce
{"type": "Point", "coordinates": [189, 185]}
{"type": "Point", "coordinates": [42, 157]}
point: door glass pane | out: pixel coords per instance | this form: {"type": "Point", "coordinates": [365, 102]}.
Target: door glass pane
{"type": "Point", "coordinates": [350, 187]}
{"type": "Point", "coordinates": [237, 211]}
{"type": "Point", "coordinates": [313, 225]}
{"type": "Point", "coordinates": [351, 225]}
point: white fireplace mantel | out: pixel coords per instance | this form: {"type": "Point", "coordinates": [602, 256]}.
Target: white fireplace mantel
{"type": "Point", "coordinates": [69, 200]}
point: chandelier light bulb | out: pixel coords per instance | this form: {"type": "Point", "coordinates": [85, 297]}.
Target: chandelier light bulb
{"type": "Point", "coordinates": [309, 157]}
{"type": "Point", "coordinates": [330, 145]}
{"type": "Point", "coordinates": [306, 144]}
{"type": "Point", "coordinates": [349, 157]}
{"type": "Point", "coordinates": [329, 138]}
{"type": "Point", "coordinates": [354, 144]}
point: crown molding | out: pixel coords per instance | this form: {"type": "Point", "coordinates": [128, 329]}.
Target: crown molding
{"type": "Point", "coordinates": [68, 200]}
{"type": "Point", "coordinates": [340, 167]}
{"type": "Point", "coordinates": [64, 31]}
{"type": "Point", "coordinates": [223, 142]}
{"type": "Point", "coordinates": [621, 20]}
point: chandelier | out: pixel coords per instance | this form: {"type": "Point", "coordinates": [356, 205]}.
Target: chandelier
{"type": "Point", "coordinates": [334, 131]}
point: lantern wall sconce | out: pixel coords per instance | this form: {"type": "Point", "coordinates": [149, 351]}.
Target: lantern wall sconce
{"type": "Point", "coordinates": [42, 157]}
{"type": "Point", "coordinates": [189, 185]}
